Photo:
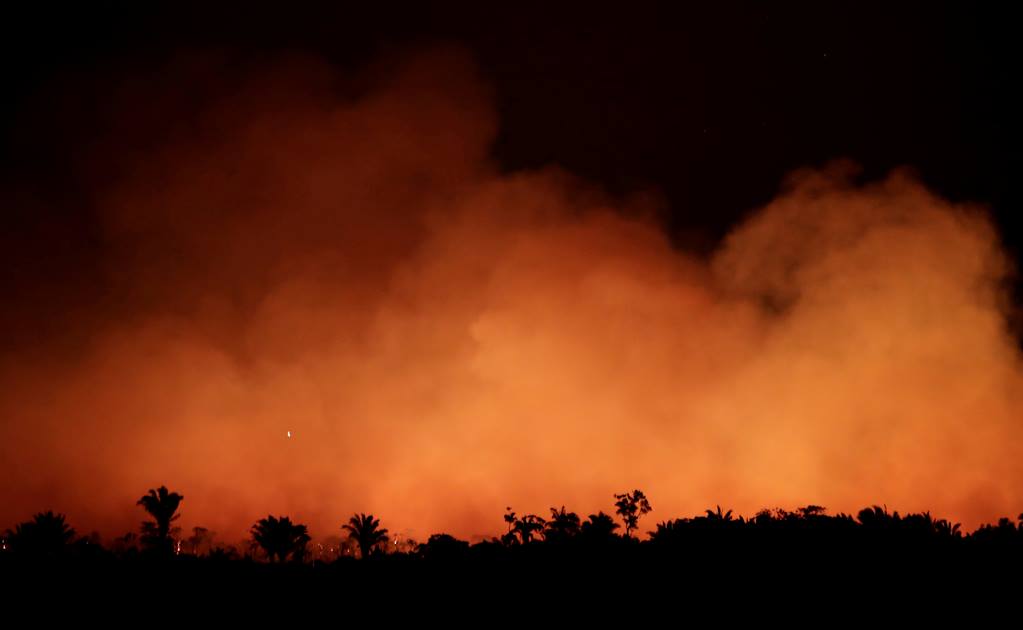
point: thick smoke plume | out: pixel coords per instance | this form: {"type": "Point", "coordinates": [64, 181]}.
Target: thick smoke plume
{"type": "Point", "coordinates": [339, 258]}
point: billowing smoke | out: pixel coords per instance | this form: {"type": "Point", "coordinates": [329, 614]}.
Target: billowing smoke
{"type": "Point", "coordinates": [338, 258]}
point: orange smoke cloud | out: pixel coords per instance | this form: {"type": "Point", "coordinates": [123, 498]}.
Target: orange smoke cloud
{"type": "Point", "coordinates": [338, 258]}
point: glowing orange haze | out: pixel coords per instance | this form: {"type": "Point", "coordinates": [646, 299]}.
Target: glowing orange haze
{"type": "Point", "coordinates": [339, 258]}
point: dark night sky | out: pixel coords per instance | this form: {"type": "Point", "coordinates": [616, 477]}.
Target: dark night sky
{"type": "Point", "coordinates": [711, 107]}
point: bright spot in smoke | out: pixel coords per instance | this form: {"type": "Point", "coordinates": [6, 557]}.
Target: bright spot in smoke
{"type": "Point", "coordinates": [289, 434]}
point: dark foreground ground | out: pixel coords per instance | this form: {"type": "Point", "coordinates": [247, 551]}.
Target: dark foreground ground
{"type": "Point", "coordinates": [765, 580]}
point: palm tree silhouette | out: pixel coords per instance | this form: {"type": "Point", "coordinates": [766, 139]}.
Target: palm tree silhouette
{"type": "Point", "coordinates": [521, 530]}
{"type": "Point", "coordinates": [600, 527]}
{"type": "Point", "coordinates": [667, 531]}
{"type": "Point", "coordinates": [510, 518]}
{"type": "Point", "coordinates": [365, 531]}
{"type": "Point", "coordinates": [161, 505]}
{"type": "Point", "coordinates": [876, 517]}
{"type": "Point", "coordinates": [722, 516]}
{"type": "Point", "coordinates": [280, 538]}
{"type": "Point", "coordinates": [527, 526]}
{"type": "Point", "coordinates": [46, 534]}
{"type": "Point", "coordinates": [946, 529]}
{"type": "Point", "coordinates": [563, 525]}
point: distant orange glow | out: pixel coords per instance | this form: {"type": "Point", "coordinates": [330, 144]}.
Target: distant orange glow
{"type": "Point", "coordinates": [327, 304]}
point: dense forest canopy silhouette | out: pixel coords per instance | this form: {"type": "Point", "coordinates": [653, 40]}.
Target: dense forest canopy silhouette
{"type": "Point", "coordinates": [874, 531]}
{"type": "Point", "coordinates": [876, 560]}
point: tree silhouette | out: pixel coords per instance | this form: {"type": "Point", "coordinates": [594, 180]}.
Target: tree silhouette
{"type": "Point", "coordinates": [808, 511]}
{"type": "Point", "coordinates": [599, 527]}
{"type": "Point", "coordinates": [630, 506]}
{"type": "Point", "coordinates": [161, 505]}
{"type": "Point", "coordinates": [667, 531]}
{"type": "Point", "coordinates": [522, 530]}
{"type": "Point", "coordinates": [509, 517]}
{"type": "Point", "coordinates": [199, 537]}
{"type": "Point", "coordinates": [365, 531]}
{"type": "Point", "coordinates": [876, 518]}
{"type": "Point", "coordinates": [563, 525]}
{"type": "Point", "coordinates": [280, 538]}
{"type": "Point", "coordinates": [443, 547]}
{"type": "Point", "coordinates": [47, 534]}
{"type": "Point", "coordinates": [127, 543]}
{"type": "Point", "coordinates": [527, 526]}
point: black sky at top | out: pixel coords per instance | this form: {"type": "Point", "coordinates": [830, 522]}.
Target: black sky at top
{"type": "Point", "coordinates": [711, 106]}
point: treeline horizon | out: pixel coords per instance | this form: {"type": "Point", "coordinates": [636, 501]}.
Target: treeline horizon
{"type": "Point", "coordinates": [278, 540]}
